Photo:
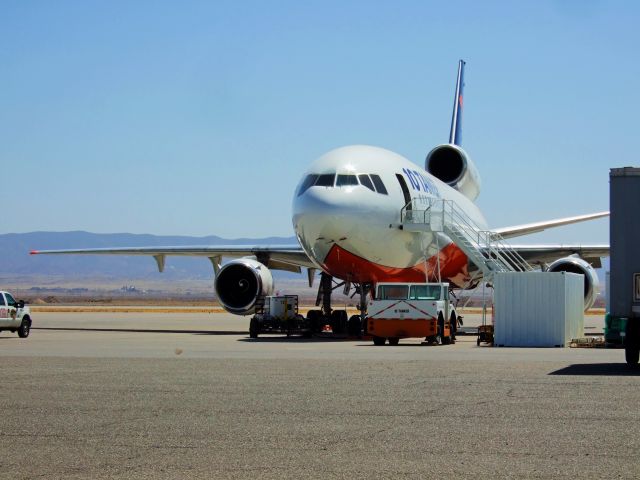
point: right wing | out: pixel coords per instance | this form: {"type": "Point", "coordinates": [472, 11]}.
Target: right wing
{"type": "Point", "coordinates": [540, 254]}
{"type": "Point", "coordinates": [526, 229]}
{"type": "Point", "coordinates": [279, 257]}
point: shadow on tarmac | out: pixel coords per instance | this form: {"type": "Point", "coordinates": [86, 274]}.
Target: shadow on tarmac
{"type": "Point", "coordinates": [145, 330]}
{"type": "Point", "coordinates": [598, 369]}
{"type": "Point", "coordinates": [296, 339]}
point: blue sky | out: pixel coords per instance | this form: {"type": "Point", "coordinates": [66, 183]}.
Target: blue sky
{"type": "Point", "coordinates": [199, 118]}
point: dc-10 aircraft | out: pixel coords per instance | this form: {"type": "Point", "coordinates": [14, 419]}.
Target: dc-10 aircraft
{"type": "Point", "coordinates": [349, 216]}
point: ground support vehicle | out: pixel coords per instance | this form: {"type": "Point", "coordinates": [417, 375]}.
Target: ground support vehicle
{"type": "Point", "coordinates": [405, 310]}
{"type": "Point", "coordinates": [485, 334]}
{"type": "Point", "coordinates": [279, 314]}
{"type": "Point", "coordinates": [15, 316]}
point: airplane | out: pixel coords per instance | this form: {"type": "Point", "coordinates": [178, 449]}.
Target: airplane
{"type": "Point", "coordinates": [349, 215]}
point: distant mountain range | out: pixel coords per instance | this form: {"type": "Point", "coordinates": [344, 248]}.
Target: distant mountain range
{"type": "Point", "coordinates": [15, 258]}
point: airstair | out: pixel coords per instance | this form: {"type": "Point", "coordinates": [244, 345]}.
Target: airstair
{"type": "Point", "coordinates": [486, 249]}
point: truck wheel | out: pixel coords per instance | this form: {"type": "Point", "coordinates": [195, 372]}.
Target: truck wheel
{"type": "Point", "coordinates": [394, 340]}
{"type": "Point", "coordinates": [379, 341]}
{"type": "Point", "coordinates": [632, 342]}
{"type": "Point", "coordinates": [632, 355]}
{"type": "Point", "coordinates": [478, 341]}
{"type": "Point", "coordinates": [440, 338]}
{"type": "Point", "coordinates": [254, 328]}
{"type": "Point", "coordinates": [25, 328]}
{"type": "Point", "coordinates": [453, 325]}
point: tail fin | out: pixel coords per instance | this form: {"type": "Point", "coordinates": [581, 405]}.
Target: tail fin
{"type": "Point", "coordinates": [455, 137]}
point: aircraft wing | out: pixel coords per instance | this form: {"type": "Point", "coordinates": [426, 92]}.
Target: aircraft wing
{"type": "Point", "coordinates": [515, 231]}
{"type": "Point", "coordinates": [279, 257]}
{"type": "Point", "coordinates": [537, 254]}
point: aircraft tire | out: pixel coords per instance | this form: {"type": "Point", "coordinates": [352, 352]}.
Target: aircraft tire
{"type": "Point", "coordinates": [354, 327]}
{"type": "Point", "coordinates": [339, 321]}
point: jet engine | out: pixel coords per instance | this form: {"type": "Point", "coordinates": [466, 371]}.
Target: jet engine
{"type": "Point", "coordinates": [578, 265]}
{"type": "Point", "coordinates": [451, 164]}
{"type": "Point", "coordinates": [240, 283]}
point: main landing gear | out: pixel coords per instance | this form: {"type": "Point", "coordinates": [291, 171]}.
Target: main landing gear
{"type": "Point", "coordinates": [338, 320]}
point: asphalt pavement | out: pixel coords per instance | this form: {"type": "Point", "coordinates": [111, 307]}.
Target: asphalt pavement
{"type": "Point", "coordinates": [117, 395]}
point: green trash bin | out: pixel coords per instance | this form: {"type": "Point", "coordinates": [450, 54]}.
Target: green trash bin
{"type": "Point", "coordinates": [614, 328]}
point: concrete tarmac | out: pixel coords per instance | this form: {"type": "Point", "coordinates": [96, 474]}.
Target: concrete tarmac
{"type": "Point", "coordinates": [151, 395]}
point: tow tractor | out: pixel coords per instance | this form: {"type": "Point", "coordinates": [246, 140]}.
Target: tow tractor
{"type": "Point", "coordinates": [279, 314]}
{"type": "Point", "coordinates": [405, 310]}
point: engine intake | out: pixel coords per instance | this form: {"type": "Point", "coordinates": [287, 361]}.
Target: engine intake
{"type": "Point", "coordinates": [240, 283]}
{"type": "Point", "coordinates": [450, 164]}
{"type": "Point", "coordinates": [579, 265]}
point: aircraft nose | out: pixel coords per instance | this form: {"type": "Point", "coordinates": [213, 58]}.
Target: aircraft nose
{"type": "Point", "coordinates": [323, 217]}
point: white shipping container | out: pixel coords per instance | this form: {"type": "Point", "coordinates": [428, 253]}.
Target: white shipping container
{"type": "Point", "coordinates": [538, 309]}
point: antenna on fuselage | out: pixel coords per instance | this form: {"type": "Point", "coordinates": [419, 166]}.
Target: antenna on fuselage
{"type": "Point", "coordinates": [455, 137]}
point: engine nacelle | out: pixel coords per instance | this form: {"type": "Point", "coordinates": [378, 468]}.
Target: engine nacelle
{"type": "Point", "coordinates": [240, 283]}
{"type": "Point", "coordinates": [578, 265]}
{"type": "Point", "coordinates": [450, 164]}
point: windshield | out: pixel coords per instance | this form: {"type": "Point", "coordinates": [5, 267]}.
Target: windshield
{"type": "Point", "coordinates": [393, 292]}
{"type": "Point", "coordinates": [425, 292]}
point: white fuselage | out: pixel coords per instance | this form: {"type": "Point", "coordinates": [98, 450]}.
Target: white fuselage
{"type": "Point", "coordinates": [354, 233]}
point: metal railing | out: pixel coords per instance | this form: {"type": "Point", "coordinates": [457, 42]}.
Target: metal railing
{"type": "Point", "coordinates": [487, 249]}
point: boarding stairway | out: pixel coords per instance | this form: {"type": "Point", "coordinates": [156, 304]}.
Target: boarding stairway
{"type": "Point", "coordinates": [486, 249]}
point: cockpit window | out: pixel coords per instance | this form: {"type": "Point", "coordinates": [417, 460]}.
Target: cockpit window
{"type": "Point", "coordinates": [326, 180]}
{"type": "Point", "coordinates": [377, 181]}
{"type": "Point", "coordinates": [308, 182]}
{"type": "Point", "coordinates": [346, 181]}
{"type": "Point", "coordinates": [366, 181]}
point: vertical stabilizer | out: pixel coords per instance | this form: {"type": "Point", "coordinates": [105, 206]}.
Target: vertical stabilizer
{"type": "Point", "coordinates": [455, 137]}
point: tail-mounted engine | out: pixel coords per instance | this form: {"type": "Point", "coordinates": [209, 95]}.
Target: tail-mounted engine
{"type": "Point", "coordinates": [578, 265]}
{"type": "Point", "coordinates": [450, 164]}
{"type": "Point", "coordinates": [240, 283]}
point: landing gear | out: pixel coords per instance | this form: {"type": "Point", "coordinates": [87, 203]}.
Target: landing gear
{"type": "Point", "coordinates": [354, 326]}
{"type": "Point", "coordinates": [339, 321]}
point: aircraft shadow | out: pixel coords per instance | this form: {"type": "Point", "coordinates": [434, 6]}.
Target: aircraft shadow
{"type": "Point", "coordinates": [145, 330]}
{"type": "Point", "coordinates": [599, 369]}
{"type": "Point", "coordinates": [292, 339]}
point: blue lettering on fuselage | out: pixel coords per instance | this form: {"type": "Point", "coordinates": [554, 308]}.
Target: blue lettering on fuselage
{"type": "Point", "coordinates": [420, 182]}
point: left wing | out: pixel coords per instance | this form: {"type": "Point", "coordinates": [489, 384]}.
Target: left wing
{"type": "Point", "coordinates": [279, 257]}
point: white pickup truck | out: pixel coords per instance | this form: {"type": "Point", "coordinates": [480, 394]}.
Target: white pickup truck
{"type": "Point", "coordinates": [14, 316]}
